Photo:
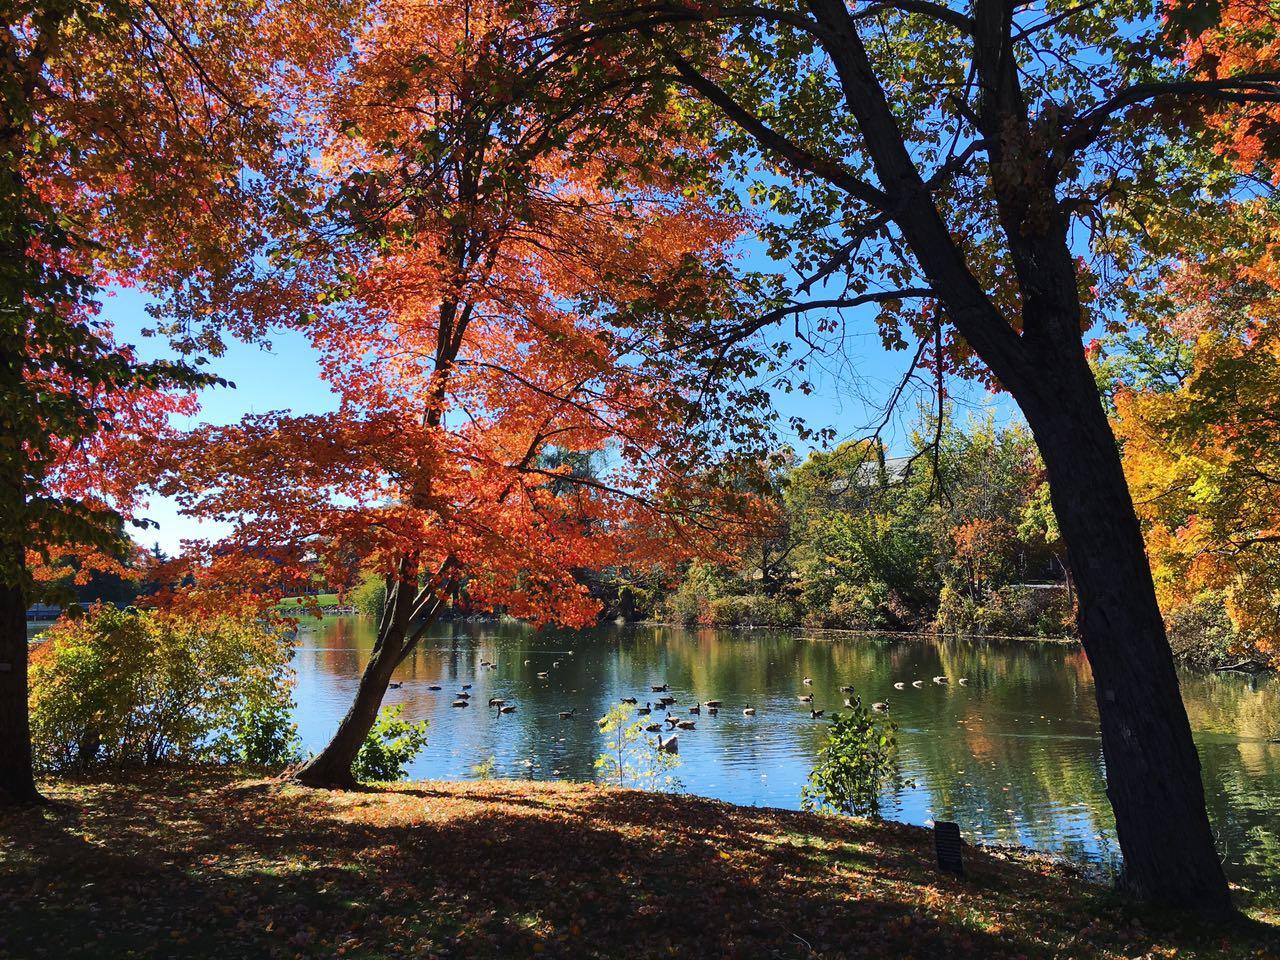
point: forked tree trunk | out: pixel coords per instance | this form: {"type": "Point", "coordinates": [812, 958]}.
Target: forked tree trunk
{"type": "Point", "coordinates": [17, 783]}
{"type": "Point", "coordinates": [1153, 771]}
{"type": "Point", "coordinates": [396, 638]}
{"type": "Point", "coordinates": [332, 766]}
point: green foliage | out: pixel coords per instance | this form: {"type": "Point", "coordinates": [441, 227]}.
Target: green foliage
{"type": "Point", "coordinates": [859, 761]}
{"type": "Point", "coordinates": [369, 596]}
{"type": "Point", "coordinates": [392, 744]}
{"type": "Point", "coordinates": [631, 756]}
{"type": "Point", "coordinates": [127, 687]}
{"type": "Point", "coordinates": [486, 769]}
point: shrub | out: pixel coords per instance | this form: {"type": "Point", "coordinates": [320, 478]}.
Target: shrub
{"type": "Point", "coordinates": [261, 733]}
{"type": "Point", "coordinates": [858, 762]}
{"type": "Point", "coordinates": [130, 687]}
{"type": "Point", "coordinates": [630, 757]}
{"type": "Point", "coordinates": [1201, 634]}
{"type": "Point", "coordinates": [369, 596]}
{"type": "Point", "coordinates": [391, 745]}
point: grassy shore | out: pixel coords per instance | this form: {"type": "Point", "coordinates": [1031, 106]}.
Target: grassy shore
{"type": "Point", "coordinates": [206, 864]}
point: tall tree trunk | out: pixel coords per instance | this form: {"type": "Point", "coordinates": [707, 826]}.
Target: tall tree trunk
{"type": "Point", "coordinates": [397, 635]}
{"type": "Point", "coordinates": [17, 783]}
{"type": "Point", "coordinates": [1153, 771]}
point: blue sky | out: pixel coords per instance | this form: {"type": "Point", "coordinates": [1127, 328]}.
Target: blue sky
{"type": "Point", "coordinates": [850, 390]}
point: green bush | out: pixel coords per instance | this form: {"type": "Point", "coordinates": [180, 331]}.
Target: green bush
{"type": "Point", "coordinates": [128, 687]}
{"type": "Point", "coordinates": [369, 596]}
{"type": "Point", "coordinates": [858, 762]}
{"type": "Point", "coordinates": [631, 757]}
{"type": "Point", "coordinates": [391, 745]}
{"type": "Point", "coordinates": [261, 733]}
{"type": "Point", "coordinates": [1201, 634]}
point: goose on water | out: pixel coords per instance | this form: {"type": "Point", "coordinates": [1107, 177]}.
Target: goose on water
{"type": "Point", "coordinates": [695, 709]}
{"type": "Point", "coordinates": [748, 711]}
{"type": "Point", "coordinates": [394, 686]}
{"type": "Point", "coordinates": [460, 703]}
{"type": "Point", "coordinates": [713, 711]}
{"type": "Point", "coordinates": [963, 681]}
{"type": "Point", "coordinates": [715, 703]}
{"type": "Point", "coordinates": [917, 684]}
{"type": "Point", "coordinates": [880, 706]}
{"type": "Point", "coordinates": [568, 714]}
{"type": "Point", "coordinates": [464, 695]}
{"type": "Point", "coordinates": [939, 680]}
{"type": "Point", "coordinates": [658, 689]}
{"type": "Point", "coordinates": [807, 698]}
{"type": "Point", "coordinates": [685, 724]}
{"type": "Point", "coordinates": [628, 699]}
{"type": "Point", "coordinates": [466, 686]}
{"type": "Point", "coordinates": [899, 685]}
{"type": "Point", "coordinates": [543, 675]}
{"type": "Point", "coordinates": [815, 714]}
{"type": "Point", "coordinates": [653, 727]}
{"type": "Point", "coordinates": [507, 708]}
{"type": "Point", "coordinates": [848, 688]}
{"type": "Point", "coordinates": [669, 745]}
{"type": "Point", "coordinates": [646, 709]}
{"type": "Point", "coordinates": [808, 681]}
{"type": "Point", "coordinates": [496, 701]}
{"type": "Point", "coordinates": [435, 686]}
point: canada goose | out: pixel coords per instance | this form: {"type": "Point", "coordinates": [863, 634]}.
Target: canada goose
{"type": "Point", "coordinates": [496, 701]}
{"type": "Point", "coordinates": [880, 706]}
{"type": "Point", "coordinates": [715, 703]}
{"type": "Point", "coordinates": [685, 724]}
{"type": "Point", "coordinates": [484, 663]}
{"type": "Point", "coordinates": [527, 662]}
{"type": "Point", "coordinates": [669, 745]}
{"type": "Point", "coordinates": [508, 708]}
{"type": "Point", "coordinates": [807, 698]}
{"type": "Point", "coordinates": [653, 728]}
{"type": "Point", "coordinates": [748, 711]}
{"type": "Point", "coordinates": [394, 686]}
{"type": "Point", "coordinates": [851, 704]}
{"type": "Point", "coordinates": [713, 711]}
{"type": "Point", "coordinates": [435, 686]}
{"type": "Point", "coordinates": [646, 709]}
{"type": "Point", "coordinates": [808, 681]}
{"type": "Point", "coordinates": [543, 675]}
{"type": "Point", "coordinates": [696, 709]}
{"type": "Point", "coordinates": [466, 686]}
{"type": "Point", "coordinates": [815, 714]}
{"type": "Point", "coordinates": [555, 663]}
{"type": "Point", "coordinates": [847, 689]}
{"type": "Point", "coordinates": [667, 701]}
{"type": "Point", "coordinates": [658, 689]}
{"type": "Point", "coordinates": [899, 685]}
{"type": "Point", "coordinates": [670, 719]}
{"type": "Point", "coordinates": [460, 703]}
{"type": "Point", "coordinates": [917, 684]}
{"type": "Point", "coordinates": [464, 695]}
{"type": "Point", "coordinates": [939, 680]}
{"type": "Point", "coordinates": [568, 714]}
{"type": "Point", "coordinates": [628, 699]}
{"type": "Point", "coordinates": [963, 681]}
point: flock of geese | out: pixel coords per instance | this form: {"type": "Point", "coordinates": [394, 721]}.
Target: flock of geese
{"type": "Point", "coordinates": [665, 702]}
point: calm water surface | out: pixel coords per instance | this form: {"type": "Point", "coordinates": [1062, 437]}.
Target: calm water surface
{"type": "Point", "coordinates": [1014, 756]}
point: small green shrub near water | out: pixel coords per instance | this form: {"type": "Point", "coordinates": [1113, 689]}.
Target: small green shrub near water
{"type": "Point", "coordinates": [390, 747]}
{"type": "Point", "coordinates": [859, 761]}
{"type": "Point", "coordinates": [631, 756]}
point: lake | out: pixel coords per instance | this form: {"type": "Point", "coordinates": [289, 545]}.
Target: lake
{"type": "Point", "coordinates": [1014, 756]}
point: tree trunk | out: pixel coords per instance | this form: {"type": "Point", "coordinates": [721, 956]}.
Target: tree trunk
{"type": "Point", "coordinates": [17, 784]}
{"type": "Point", "coordinates": [397, 635]}
{"type": "Point", "coordinates": [332, 766]}
{"type": "Point", "coordinates": [1153, 771]}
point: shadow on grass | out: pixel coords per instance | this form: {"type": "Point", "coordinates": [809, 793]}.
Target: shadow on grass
{"type": "Point", "coordinates": [188, 865]}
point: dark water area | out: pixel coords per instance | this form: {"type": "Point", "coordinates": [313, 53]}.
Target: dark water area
{"type": "Point", "coordinates": [1013, 756]}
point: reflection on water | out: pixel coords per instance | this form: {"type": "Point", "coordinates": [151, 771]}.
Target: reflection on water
{"type": "Point", "coordinates": [1013, 756]}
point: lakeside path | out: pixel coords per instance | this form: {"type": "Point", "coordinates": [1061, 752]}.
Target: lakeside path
{"type": "Point", "coordinates": [208, 864]}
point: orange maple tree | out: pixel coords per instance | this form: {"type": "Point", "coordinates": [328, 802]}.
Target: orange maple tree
{"type": "Point", "coordinates": [498, 246]}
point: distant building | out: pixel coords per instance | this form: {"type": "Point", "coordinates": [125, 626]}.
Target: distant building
{"type": "Point", "coordinates": [43, 611]}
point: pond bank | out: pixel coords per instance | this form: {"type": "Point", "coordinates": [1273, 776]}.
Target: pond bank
{"type": "Point", "coordinates": [204, 863]}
